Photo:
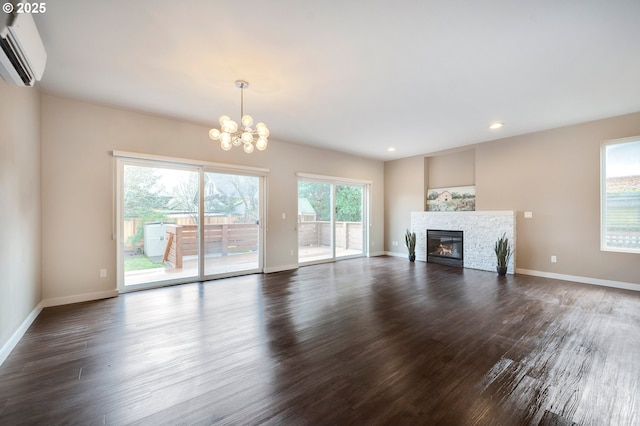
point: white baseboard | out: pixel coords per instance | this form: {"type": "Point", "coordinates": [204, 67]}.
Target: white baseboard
{"type": "Point", "coordinates": [395, 254]}
{"type": "Point", "coordinates": [377, 253]}
{"type": "Point", "coordinates": [583, 280]}
{"type": "Point", "coordinates": [17, 335]}
{"type": "Point", "coordinates": [280, 268]}
{"type": "Point", "coordinates": [86, 297]}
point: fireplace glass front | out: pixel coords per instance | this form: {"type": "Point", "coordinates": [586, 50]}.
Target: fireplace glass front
{"type": "Point", "coordinates": [445, 247]}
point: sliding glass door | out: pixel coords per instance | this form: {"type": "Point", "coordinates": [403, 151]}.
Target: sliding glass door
{"type": "Point", "coordinates": [186, 223]}
{"type": "Point", "coordinates": [349, 232]}
{"type": "Point", "coordinates": [159, 224]}
{"type": "Point", "coordinates": [331, 219]}
{"type": "Point", "coordinates": [315, 221]}
{"type": "Point", "coordinates": [231, 223]}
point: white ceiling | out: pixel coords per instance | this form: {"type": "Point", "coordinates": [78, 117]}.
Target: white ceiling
{"type": "Point", "coordinates": [355, 76]}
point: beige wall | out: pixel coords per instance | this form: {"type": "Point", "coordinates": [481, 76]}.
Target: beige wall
{"type": "Point", "coordinates": [451, 169]}
{"type": "Point", "coordinates": [20, 278]}
{"type": "Point", "coordinates": [554, 174]}
{"type": "Point", "coordinates": [404, 193]}
{"type": "Point", "coordinates": [77, 171]}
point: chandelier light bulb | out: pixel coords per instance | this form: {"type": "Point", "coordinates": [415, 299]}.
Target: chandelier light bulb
{"type": "Point", "coordinates": [226, 146]}
{"type": "Point", "coordinates": [231, 126]}
{"type": "Point", "coordinates": [236, 141]}
{"type": "Point", "coordinates": [247, 121]}
{"type": "Point", "coordinates": [261, 143]}
{"type": "Point", "coordinates": [223, 119]}
{"type": "Point", "coordinates": [248, 148]}
{"type": "Point", "coordinates": [225, 138]}
{"type": "Point", "coordinates": [262, 130]}
{"type": "Point", "coordinates": [247, 137]}
{"type": "Point", "coordinates": [214, 134]}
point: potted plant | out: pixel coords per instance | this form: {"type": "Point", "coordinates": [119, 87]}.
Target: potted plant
{"type": "Point", "coordinates": [503, 250]}
{"type": "Point", "coordinates": [410, 241]}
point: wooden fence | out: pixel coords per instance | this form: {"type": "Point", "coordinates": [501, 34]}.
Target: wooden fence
{"type": "Point", "coordinates": [623, 220]}
{"type": "Point", "coordinates": [219, 239]}
{"type": "Point", "coordinates": [623, 239]}
{"type": "Point", "coordinates": [316, 234]}
{"type": "Point", "coordinates": [130, 226]}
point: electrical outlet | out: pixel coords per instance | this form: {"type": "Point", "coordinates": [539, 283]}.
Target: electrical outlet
{"type": "Point", "coordinates": [554, 259]}
{"type": "Point", "coordinates": [103, 273]}
{"type": "Point", "coordinates": [528, 215]}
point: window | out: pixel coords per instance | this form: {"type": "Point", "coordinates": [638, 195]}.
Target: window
{"type": "Point", "coordinates": [620, 195]}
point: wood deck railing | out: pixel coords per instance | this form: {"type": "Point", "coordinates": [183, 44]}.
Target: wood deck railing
{"type": "Point", "coordinates": [225, 239]}
{"type": "Point", "coordinates": [220, 239]}
{"type": "Point", "coordinates": [318, 233]}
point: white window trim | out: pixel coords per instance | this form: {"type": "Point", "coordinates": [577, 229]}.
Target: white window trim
{"type": "Point", "coordinates": [332, 179]}
{"type": "Point", "coordinates": [258, 171]}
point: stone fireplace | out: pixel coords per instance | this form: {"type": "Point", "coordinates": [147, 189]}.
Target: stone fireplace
{"type": "Point", "coordinates": [481, 229]}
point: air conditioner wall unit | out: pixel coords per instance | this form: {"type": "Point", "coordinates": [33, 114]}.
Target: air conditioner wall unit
{"type": "Point", "coordinates": [22, 54]}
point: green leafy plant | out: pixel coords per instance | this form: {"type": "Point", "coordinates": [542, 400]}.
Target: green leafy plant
{"type": "Point", "coordinates": [410, 241]}
{"type": "Point", "coordinates": [139, 263]}
{"type": "Point", "coordinates": [504, 250]}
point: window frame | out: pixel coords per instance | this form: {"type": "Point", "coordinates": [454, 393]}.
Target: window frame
{"type": "Point", "coordinates": [603, 194]}
{"type": "Point", "coordinates": [122, 158]}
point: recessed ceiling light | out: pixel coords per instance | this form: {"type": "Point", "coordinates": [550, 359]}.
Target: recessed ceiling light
{"type": "Point", "coordinates": [496, 125]}
{"type": "Point", "coordinates": [391, 149]}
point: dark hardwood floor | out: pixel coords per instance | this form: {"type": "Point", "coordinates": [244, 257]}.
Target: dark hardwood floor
{"type": "Point", "coordinates": [362, 341]}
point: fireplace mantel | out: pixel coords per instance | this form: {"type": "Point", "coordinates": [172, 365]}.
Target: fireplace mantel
{"type": "Point", "coordinates": [481, 231]}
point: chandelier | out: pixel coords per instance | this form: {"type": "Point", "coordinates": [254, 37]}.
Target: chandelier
{"type": "Point", "coordinates": [231, 134]}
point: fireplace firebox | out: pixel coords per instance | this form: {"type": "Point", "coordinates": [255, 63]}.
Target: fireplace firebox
{"type": "Point", "coordinates": [445, 247]}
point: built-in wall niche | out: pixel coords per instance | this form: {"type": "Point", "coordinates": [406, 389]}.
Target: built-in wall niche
{"type": "Point", "coordinates": [452, 169]}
